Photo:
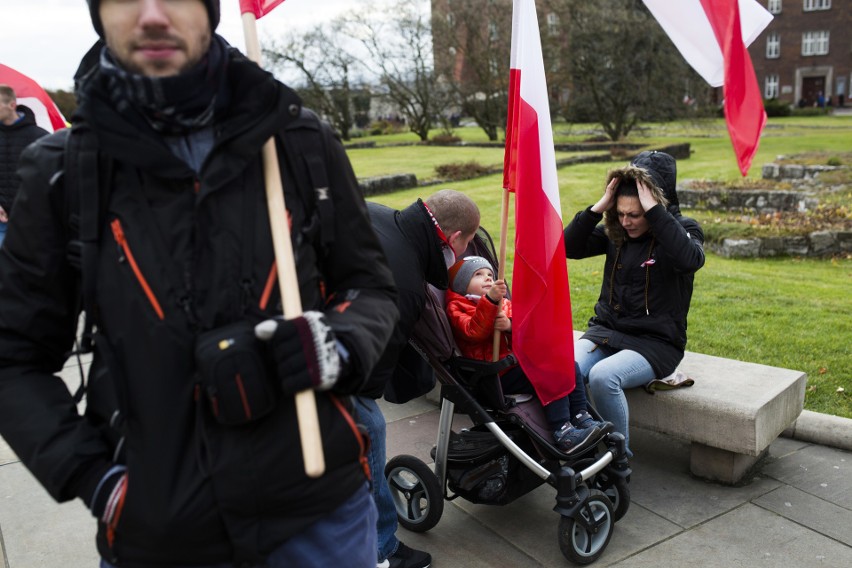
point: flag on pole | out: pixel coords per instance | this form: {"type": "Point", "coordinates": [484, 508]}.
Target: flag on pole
{"type": "Point", "coordinates": [542, 330]}
{"type": "Point", "coordinates": [30, 94]}
{"type": "Point", "coordinates": [713, 36]}
{"type": "Point", "coordinates": [259, 8]}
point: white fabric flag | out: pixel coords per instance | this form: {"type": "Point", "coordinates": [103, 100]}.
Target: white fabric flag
{"type": "Point", "coordinates": [685, 22]}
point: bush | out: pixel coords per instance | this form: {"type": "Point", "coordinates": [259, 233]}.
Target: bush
{"type": "Point", "coordinates": [810, 111]}
{"type": "Point", "coordinates": [445, 139]}
{"type": "Point", "coordinates": [382, 127]}
{"type": "Point", "coordinates": [774, 107]}
{"type": "Point", "coordinates": [458, 171]}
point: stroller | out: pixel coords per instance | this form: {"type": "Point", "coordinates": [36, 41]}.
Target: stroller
{"type": "Point", "coordinates": [508, 451]}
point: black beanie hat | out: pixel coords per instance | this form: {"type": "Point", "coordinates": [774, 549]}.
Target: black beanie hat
{"type": "Point", "coordinates": [211, 5]}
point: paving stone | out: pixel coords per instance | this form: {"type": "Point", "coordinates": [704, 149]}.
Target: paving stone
{"type": "Point", "coordinates": [819, 515]}
{"type": "Point", "coordinates": [416, 435]}
{"type": "Point", "coordinates": [819, 470]}
{"type": "Point", "coordinates": [662, 484]}
{"type": "Point", "coordinates": [745, 537]}
{"type": "Point", "coordinates": [394, 412]}
{"type": "Point", "coordinates": [39, 533]}
{"type": "Point", "coordinates": [460, 540]}
{"type": "Point", "coordinates": [532, 525]}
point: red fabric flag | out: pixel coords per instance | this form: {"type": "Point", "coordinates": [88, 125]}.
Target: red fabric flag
{"type": "Point", "coordinates": [712, 35]}
{"type": "Point", "coordinates": [30, 94]}
{"type": "Point", "coordinates": [542, 331]}
{"type": "Point", "coordinates": [744, 110]}
{"type": "Point", "coordinates": [259, 8]}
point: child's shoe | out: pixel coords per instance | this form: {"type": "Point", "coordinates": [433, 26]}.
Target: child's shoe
{"type": "Point", "coordinates": [570, 439]}
{"type": "Point", "coordinates": [585, 420]}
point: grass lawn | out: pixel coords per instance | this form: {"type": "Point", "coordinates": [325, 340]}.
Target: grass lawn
{"type": "Point", "coordinates": [789, 312]}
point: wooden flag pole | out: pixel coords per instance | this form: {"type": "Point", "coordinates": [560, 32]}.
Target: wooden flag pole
{"type": "Point", "coordinates": [288, 284]}
{"type": "Point", "coordinates": [501, 262]}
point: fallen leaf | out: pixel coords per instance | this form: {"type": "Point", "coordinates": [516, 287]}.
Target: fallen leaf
{"type": "Point", "coordinates": [822, 370]}
{"type": "Point", "coordinates": [841, 389]}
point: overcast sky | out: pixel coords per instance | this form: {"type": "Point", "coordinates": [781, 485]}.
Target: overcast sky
{"type": "Point", "coordinates": [45, 39]}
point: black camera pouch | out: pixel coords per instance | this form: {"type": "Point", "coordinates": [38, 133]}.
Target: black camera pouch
{"type": "Point", "coordinates": [234, 375]}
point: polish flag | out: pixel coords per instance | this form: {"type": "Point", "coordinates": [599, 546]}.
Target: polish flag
{"type": "Point", "coordinates": [259, 8]}
{"type": "Point", "coordinates": [30, 94]}
{"type": "Point", "coordinates": [542, 331]}
{"type": "Point", "coordinates": [713, 36]}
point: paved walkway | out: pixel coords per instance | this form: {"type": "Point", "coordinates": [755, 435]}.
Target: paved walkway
{"type": "Point", "coordinates": [796, 512]}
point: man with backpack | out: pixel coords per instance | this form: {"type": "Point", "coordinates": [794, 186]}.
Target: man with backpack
{"type": "Point", "coordinates": [150, 215]}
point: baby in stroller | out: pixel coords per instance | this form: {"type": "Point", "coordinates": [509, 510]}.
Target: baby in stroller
{"type": "Point", "coordinates": [510, 449]}
{"type": "Point", "coordinates": [476, 306]}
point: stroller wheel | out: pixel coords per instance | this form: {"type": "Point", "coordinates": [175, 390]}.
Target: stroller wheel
{"type": "Point", "coordinates": [583, 539]}
{"type": "Point", "coordinates": [416, 493]}
{"type": "Point", "coordinates": [617, 490]}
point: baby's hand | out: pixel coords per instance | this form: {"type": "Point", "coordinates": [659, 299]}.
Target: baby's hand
{"type": "Point", "coordinates": [502, 323]}
{"type": "Point", "coordinates": [498, 290]}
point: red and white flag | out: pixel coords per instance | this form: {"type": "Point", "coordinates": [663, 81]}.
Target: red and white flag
{"type": "Point", "coordinates": [713, 36]}
{"type": "Point", "coordinates": [542, 331]}
{"type": "Point", "coordinates": [259, 8]}
{"type": "Point", "coordinates": [30, 94]}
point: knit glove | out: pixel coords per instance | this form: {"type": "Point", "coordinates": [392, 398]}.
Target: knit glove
{"type": "Point", "coordinates": [108, 498]}
{"type": "Point", "coordinates": [304, 351]}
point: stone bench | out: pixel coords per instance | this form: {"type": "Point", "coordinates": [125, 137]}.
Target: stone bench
{"type": "Point", "coordinates": [731, 414]}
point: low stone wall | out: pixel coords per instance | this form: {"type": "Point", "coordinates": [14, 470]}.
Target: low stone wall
{"type": "Point", "coordinates": [794, 171]}
{"type": "Point", "coordinates": [386, 184]}
{"type": "Point", "coordinates": [816, 244]}
{"type": "Point", "coordinates": [756, 200]}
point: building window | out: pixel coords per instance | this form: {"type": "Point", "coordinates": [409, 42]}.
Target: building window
{"type": "Point", "coordinates": [811, 5]}
{"type": "Point", "coordinates": [815, 43]}
{"type": "Point", "coordinates": [770, 87]}
{"type": "Point", "coordinates": [553, 24]}
{"type": "Point", "coordinates": [773, 46]}
{"type": "Point", "coordinates": [774, 6]}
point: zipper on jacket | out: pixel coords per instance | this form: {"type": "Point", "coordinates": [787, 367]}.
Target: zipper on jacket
{"type": "Point", "coordinates": [121, 239]}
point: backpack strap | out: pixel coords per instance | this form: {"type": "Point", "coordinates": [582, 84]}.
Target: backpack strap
{"type": "Point", "coordinates": [304, 149]}
{"type": "Point", "coordinates": [85, 206]}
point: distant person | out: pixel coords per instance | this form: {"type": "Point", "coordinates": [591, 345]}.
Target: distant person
{"type": "Point", "coordinates": [17, 131]}
{"type": "Point", "coordinates": [820, 101]}
{"type": "Point", "coordinates": [638, 332]}
{"type": "Point", "coordinates": [476, 307]}
{"type": "Point", "coordinates": [420, 242]}
{"type": "Point", "coordinates": [189, 451]}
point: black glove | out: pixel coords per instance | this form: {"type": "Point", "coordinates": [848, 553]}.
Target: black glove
{"type": "Point", "coordinates": [304, 351]}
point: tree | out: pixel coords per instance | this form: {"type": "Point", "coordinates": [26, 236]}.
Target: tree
{"type": "Point", "coordinates": [473, 40]}
{"type": "Point", "coordinates": [398, 39]}
{"type": "Point", "coordinates": [65, 102]}
{"type": "Point", "coordinates": [622, 67]}
{"type": "Point", "coordinates": [327, 68]}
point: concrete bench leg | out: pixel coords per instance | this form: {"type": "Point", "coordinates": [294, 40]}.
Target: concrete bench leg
{"type": "Point", "coordinates": [720, 465]}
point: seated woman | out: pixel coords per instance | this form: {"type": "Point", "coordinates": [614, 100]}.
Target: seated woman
{"type": "Point", "coordinates": [476, 306]}
{"type": "Point", "coordinates": [638, 332]}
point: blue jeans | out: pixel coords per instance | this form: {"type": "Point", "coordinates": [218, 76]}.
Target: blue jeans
{"type": "Point", "coordinates": [345, 537]}
{"type": "Point", "coordinates": [3, 227]}
{"type": "Point", "coordinates": [608, 372]}
{"type": "Point", "coordinates": [369, 414]}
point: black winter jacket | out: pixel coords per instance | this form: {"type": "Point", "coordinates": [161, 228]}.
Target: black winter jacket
{"type": "Point", "coordinates": [643, 305]}
{"type": "Point", "coordinates": [198, 492]}
{"type": "Point", "coordinates": [415, 256]}
{"type": "Point", "coordinates": [13, 139]}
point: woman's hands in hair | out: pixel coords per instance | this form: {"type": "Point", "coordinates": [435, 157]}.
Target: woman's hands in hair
{"type": "Point", "coordinates": [646, 198]}
{"type": "Point", "coordinates": [608, 199]}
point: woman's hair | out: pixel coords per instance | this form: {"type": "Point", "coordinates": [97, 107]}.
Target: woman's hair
{"type": "Point", "coordinates": [628, 177]}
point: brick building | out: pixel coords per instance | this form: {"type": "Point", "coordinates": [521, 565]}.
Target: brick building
{"type": "Point", "coordinates": [805, 51]}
